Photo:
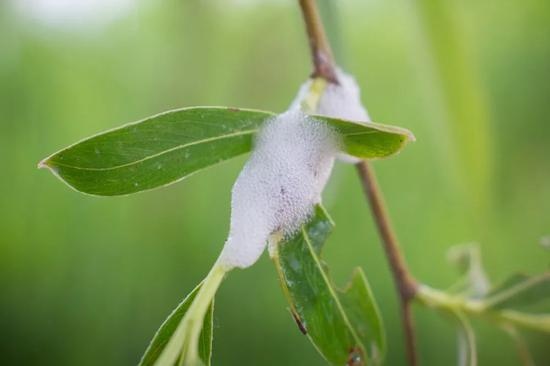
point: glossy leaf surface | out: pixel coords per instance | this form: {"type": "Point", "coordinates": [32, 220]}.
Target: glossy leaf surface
{"type": "Point", "coordinates": [344, 325]}
{"type": "Point", "coordinates": [165, 148]}
{"type": "Point", "coordinates": [156, 151]}
{"type": "Point", "coordinates": [369, 140]}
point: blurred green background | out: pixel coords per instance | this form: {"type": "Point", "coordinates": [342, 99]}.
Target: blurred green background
{"type": "Point", "coordinates": [87, 281]}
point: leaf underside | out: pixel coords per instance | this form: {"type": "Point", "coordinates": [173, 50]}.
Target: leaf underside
{"type": "Point", "coordinates": [165, 148]}
{"type": "Point", "coordinates": [164, 333]}
{"type": "Point", "coordinates": [344, 325]}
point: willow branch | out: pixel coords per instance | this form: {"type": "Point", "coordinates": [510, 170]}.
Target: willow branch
{"type": "Point", "coordinates": [406, 283]}
{"type": "Point", "coordinates": [321, 54]}
{"type": "Point", "coordinates": [407, 286]}
{"type": "Point", "coordinates": [324, 67]}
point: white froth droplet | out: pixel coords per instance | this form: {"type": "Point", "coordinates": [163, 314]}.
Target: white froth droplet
{"type": "Point", "coordinates": [279, 185]}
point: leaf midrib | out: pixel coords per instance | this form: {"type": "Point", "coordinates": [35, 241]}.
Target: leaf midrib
{"type": "Point", "coordinates": [334, 295]}
{"type": "Point", "coordinates": [172, 149]}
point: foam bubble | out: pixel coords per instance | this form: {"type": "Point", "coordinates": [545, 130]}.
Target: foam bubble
{"type": "Point", "coordinates": [341, 100]}
{"type": "Point", "coordinates": [279, 185]}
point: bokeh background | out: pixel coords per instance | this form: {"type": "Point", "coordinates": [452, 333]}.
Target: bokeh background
{"type": "Point", "coordinates": [87, 281]}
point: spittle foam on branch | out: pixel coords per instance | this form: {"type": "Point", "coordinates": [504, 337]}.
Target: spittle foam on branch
{"type": "Point", "coordinates": [342, 100]}
{"type": "Point", "coordinates": [287, 171]}
{"type": "Point", "coordinates": [279, 185]}
{"type": "Point", "coordinates": [274, 194]}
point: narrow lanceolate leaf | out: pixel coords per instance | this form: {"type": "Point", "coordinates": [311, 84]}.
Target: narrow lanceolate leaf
{"type": "Point", "coordinates": [344, 325]}
{"type": "Point", "coordinates": [170, 146]}
{"type": "Point", "coordinates": [369, 140]}
{"type": "Point", "coordinates": [156, 151]}
{"type": "Point", "coordinates": [522, 292]}
{"type": "Point", "coordinates": [169, 326]}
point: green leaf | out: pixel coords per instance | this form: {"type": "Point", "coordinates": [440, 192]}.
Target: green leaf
{"type": "Point", "coordinates": [521, 292]}
{"type": "Point", "coordinates": [155, 151]}
{"type": "Point", "coordinates": [165, 148]}
{"type": "Point", "coordinates": [369, 140]}
{"type": "Point", "coordinates": [166, 330]}
{"type": "Point", "coordinates": [344, 325]}
{"type": "Point", "coordinates": [207, 335]}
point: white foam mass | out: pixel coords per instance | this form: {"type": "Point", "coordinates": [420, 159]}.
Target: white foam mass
{"type": "Point", "coordinates": [342, 100]}
{"type": "Point", "coordinates": [279, 185]}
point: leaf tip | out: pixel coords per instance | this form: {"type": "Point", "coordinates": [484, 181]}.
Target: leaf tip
{"type": "Point", "coordinates": [47, 164]}
{"type": "Point", "coordinates": [410, 136]}
{"type": "Point", "coordinates": [43, 164]}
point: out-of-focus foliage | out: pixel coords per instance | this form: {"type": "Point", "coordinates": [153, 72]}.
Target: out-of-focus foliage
{"type": "Point", "coordinates": [87, 280]}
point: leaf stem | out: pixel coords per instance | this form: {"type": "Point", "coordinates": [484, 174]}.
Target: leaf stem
{"type": "Point", "coordinates": [437, 299]}
{"type": "Point", "coordinates": [324, 67]}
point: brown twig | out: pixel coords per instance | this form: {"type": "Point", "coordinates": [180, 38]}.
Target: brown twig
{"type": "Point", "coordinates": [323, 64]}
{"type": "Point", "coordinates": [321, 54]}
{"type": "Point", "coordinates": [405, 282]}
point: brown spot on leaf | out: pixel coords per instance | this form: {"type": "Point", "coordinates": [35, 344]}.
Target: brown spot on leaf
{"type": "Point", "coordinates": [355, 357]}
{"type": "Point", "coordinates": [299, 322]}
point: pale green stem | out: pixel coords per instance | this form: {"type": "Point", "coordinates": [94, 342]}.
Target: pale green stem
{"type": "Point", "coordinates": [443, 301]}
{"type": "Point", "coordinates": [467, 354]}
{"type": "Point", "coordinates": [185, 341]}
{"type": "Point", "coordinates": [311, 99]}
